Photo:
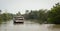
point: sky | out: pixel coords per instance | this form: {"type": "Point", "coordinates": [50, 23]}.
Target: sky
{"type": "Point", "coordinates": [14, 6]}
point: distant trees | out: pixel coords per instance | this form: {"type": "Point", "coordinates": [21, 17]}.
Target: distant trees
{"type": "Point", "coordinates": [0, 11]}
{"type": "Point", "coordinates": [43, 15]}
{"type": "Point", "coordinates": [18, 13]}
{"type": "Point", "coordinates": [39, 15]}
{"type": "Point", "coordinates": [27, 11]}
{"type": "Point", "coordinates": [5, 17]}
{"type": "Point", "coordinates": [46, 16]}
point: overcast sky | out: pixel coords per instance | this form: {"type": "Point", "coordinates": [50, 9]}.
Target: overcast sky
{"type": "Point", "coordinates": [13, 6]}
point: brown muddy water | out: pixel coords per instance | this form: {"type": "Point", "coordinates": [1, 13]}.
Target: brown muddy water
{"type": "Point", "coordinates": [28, 26]}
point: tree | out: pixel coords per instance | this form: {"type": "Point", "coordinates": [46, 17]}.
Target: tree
{"type": "Point", "coordinates": [54, 15]}
{"type": "Point", "coordinates": [27, 11]}
{"type": "Point", "coordinates": [0, 11]}
{"type": "Point", "coordinates": [18, 13]}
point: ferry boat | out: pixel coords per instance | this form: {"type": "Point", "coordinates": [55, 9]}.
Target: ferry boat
{"type": "Point", "coordinates": [18, 19]}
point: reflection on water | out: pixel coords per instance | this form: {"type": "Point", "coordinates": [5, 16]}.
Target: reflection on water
{"type": "Point", "coordinates": [56, 27]}
{"type": "Point", "coordinates": [27, 26]}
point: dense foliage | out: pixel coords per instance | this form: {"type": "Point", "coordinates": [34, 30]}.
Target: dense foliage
{"type": "Point", "coordinates": [39, 15]}
{"type": "Point", "coordinates": [54, 15]}
{"type": "Point", "coordinates": [5, 17]}
{"type": "Point", "coordinates": [45, 16]}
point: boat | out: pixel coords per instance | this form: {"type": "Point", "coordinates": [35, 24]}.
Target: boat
{"type": "Point", "coordinates": [18, 19]}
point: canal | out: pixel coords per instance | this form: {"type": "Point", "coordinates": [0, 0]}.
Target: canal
{"type": "Point", "coordinates": [27, 26]}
